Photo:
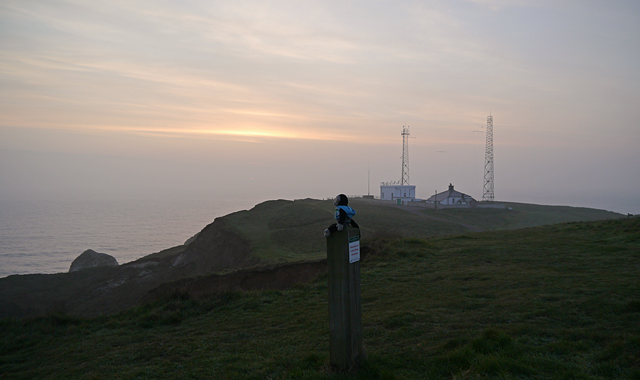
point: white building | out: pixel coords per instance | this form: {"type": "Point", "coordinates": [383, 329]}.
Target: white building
{"type": "Point", "coordinates": [400, 193]}
{"type": "Point", "coordinates": [451, 197]}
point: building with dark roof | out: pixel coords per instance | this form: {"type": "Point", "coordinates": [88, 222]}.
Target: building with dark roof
{"type": "Point", "coordinates": [451, 197]}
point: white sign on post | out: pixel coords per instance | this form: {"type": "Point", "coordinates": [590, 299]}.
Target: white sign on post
{"type": "Point", "coordinates": [354, 251]}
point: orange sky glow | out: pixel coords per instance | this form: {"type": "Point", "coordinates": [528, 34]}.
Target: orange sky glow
{"type": "Point", "coordinates": [316, 94]}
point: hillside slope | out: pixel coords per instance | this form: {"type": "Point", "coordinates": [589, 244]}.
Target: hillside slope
{"type": "Point", "coordinates": [521, 215]}
{"type": "Point", "coordinates": [555, 302]}
{"type": "Point", "coordinates": [273, 233]}
{"type": "Point", "coordinates": [283, 231]}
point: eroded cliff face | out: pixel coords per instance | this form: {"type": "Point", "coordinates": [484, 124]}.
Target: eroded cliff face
{"type": "Point", "coordinates": [276, 277]}
{"type": "Point", "coordinates": [110, 289]}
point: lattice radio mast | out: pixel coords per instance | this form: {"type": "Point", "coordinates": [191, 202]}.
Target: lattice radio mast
{"type": "Point", "coordinates": [405, 156]}
{"type": "Point", "coordinates": [487, 192]}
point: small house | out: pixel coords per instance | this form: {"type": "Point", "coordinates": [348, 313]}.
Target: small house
{"type": "Point", "coordinates": [451, 197]}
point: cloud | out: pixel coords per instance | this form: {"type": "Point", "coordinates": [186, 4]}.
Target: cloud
{"type": "Point", "coordinates": [496, 5]}
{"type": "Point", "coordinates": [261, 75]}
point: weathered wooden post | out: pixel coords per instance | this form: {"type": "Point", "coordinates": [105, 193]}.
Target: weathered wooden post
{"type": "Point", "coordinates": [345, 323]}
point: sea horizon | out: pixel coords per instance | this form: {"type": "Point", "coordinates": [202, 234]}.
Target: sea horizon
{"type": "Point", "coordinates": [45, 236]}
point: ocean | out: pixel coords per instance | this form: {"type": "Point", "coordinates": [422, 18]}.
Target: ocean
{"type": "Point", "coordinates": [46, 236]}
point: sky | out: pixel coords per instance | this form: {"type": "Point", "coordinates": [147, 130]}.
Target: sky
{"type": "Point", "coordinates": [296, 99]}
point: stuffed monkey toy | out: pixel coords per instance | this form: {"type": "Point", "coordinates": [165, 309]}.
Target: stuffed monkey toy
{"type": "Point", "coordinates": [344, 215]}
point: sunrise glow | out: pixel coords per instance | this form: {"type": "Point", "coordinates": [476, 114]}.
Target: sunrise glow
{"type": "Point", "coordinates": [316, 94]}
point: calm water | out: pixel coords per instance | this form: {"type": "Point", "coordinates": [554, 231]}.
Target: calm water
{"type": "Point", "coordinates": [46, 236]}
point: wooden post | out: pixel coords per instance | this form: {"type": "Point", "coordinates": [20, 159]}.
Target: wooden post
{"type": "Point", "coordinates": [345, 323]}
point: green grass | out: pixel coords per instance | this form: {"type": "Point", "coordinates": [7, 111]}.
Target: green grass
{"type": "Point", "coordinates": [520, 215]}
{"type": "Point", "coordinates": [555, 302]}
{"type": "Point", "coordinates": [286, 231]}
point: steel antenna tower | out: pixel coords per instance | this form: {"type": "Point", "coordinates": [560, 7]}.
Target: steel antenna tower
{"type": "Point", "coordinates": [405, 156]}
{"type": "Point", "coordinates": [487, 192]}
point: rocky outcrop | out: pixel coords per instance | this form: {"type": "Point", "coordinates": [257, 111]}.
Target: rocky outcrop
{"type": "Point", "coordinates": [92, 259]}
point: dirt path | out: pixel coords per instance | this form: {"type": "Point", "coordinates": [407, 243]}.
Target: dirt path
{"type": "Point", "coordinates": [417, 211]}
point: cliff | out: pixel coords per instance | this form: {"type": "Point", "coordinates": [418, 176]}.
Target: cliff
{"type": "Point", "coordinates": [263, 248]}
{"type": "Point", "coordinates": [107, 289]}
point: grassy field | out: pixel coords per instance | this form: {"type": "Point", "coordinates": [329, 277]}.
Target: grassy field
{"type": "Point", "coordinates": [281, 231]}
{"type": "Point", "coordinates": [520, 215]}
{"type": "Point", "coordinates": [554, 302]}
